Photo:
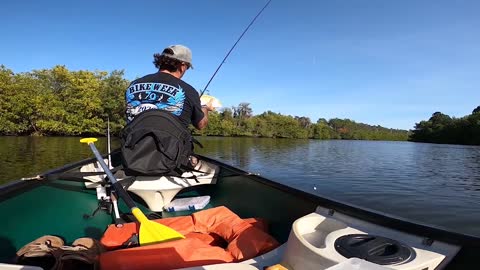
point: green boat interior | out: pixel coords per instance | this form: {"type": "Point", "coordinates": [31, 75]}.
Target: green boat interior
{"type": "Point", "coordinates": [71, 210]}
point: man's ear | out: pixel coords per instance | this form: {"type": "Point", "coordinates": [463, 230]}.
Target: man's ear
{"type": "Point", "coordinates": [185, 68]}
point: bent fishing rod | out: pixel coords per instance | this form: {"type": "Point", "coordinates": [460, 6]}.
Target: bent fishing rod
{"type": "Point", "coordinates": [235, 44]}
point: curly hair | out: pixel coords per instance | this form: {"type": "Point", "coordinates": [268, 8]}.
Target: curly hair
{"type": "Point", "coordinates": [163, 62]}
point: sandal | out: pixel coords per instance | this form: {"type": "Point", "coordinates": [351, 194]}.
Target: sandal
{"type": "Point", "coordinates": [91, 245]}
{"type": "Point", "coordinates": [83, 254]}
{"type": "Point", "coordinates": [40, 247]}
{"type": "Point", "coordinates": [41, 252]}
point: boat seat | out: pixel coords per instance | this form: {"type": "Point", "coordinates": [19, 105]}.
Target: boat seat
{"type": "Point", "coordinates": [7, 266]}
{"type": "Point", "coordinates": [242, 239]}
{"type": "Point", "coordinates": [222, 266]}
{"type": "Point", "coordinates": [159, 191]}
{"type": "Point", "coordinates": [331, 240]}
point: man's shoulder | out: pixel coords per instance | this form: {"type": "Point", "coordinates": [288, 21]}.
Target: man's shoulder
{"type": "Point", "coordinates": [188, 86]}
{"type": "Point", "coordinates": [160, 77]}
{"type": "Point", "coordinates": [146, 78]}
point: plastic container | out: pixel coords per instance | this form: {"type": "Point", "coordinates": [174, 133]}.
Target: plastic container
{"type": "Point", "coordinates": [357, 264]}
{"type": "Point", "coordinates": [184, 204]}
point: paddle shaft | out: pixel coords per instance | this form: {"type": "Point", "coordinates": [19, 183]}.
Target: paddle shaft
{"type": "Point", "coordinates": [150, 232]}
{"type": "Point", "coordinates": [116, 185]}
{"type": "Point", "coordinates": [108, 143]}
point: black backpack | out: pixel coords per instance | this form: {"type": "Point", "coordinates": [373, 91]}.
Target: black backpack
{"type": "Point", "coordinates": [156, 143]}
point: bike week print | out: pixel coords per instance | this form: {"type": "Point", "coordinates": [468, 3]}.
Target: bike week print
{"type": "Point", "coordinates": [144, 96]}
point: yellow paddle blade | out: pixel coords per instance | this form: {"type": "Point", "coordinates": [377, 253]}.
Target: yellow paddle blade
{"type": "Point", "coordinates": [152, 232]}
{"type": "Point", "coordinates": [88, 140]}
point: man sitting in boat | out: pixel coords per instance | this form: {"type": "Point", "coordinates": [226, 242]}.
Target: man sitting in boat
{"type": "Point", "coordinates": [175, 104]}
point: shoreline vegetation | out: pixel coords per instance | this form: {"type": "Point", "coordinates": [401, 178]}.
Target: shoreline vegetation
{"type": "Point", "coordinates": [441, 128]}
{"type": "Point", "coordinates": [59, 102]}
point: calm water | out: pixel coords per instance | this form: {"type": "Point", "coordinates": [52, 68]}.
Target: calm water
{"type": "Point", "coordinates": [434, 184]}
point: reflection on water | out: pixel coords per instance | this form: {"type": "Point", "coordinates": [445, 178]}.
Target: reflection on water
{"type": "Point", "coordinates": [434, 184]}
{"type": "Point", "coordinates": [29, 156]}
{"type": "Point", "coordinates": [242, 152]}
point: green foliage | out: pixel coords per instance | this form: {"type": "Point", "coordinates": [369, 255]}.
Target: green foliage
{"type": "Point", "coordinates": [58, 101]}
{"type": "Point", "coordinates": [350, 130]}
{"type": "Point", "coordinates": [242, 111]}
{"type": "Point", "coordinates": [275, 125]}
{"type": "Point", "coordinates": [476, 110]}
{"type": "Point", "coordinates": [7, 117]}
{"type": "Point", "coordinates": [441, 128]}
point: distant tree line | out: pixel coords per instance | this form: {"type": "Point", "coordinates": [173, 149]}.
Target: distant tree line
{"type": "Point", "coordinates": [239, 121]}
{"type": "Point", "coordinates": [441, 128]}
{"type": "Point", "coordinates": [60, 102]}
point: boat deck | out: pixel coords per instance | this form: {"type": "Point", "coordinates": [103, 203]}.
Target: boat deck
{"type": "Point", "coordinates": [59, 208]}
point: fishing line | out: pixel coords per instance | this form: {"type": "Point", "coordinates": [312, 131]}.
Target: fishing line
{"type": "Point", "coordinates": [231, 49]}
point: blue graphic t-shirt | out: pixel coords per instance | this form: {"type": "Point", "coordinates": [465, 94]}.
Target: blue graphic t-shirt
{"type": "Point", "coordinates": [165, 92]}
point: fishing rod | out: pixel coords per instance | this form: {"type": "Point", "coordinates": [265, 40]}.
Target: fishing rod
{"type": "Point", "coordinates": [231, 49]}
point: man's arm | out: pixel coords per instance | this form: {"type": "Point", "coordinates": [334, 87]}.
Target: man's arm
{"type": "Point", "coordinates": [204, 122]}
{"type": "Point", "coordinates": [200, 112]}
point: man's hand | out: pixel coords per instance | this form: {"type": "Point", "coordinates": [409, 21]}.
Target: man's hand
{"type": "Point", "coordinates": [208, 106]}
{"type": "Point", "coordinates": [211, 103]}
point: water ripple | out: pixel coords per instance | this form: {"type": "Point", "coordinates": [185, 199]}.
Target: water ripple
{"type": "Point", "coordinates": [433, 184]}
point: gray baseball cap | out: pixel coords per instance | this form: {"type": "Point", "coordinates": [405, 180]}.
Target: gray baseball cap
{"type": "Point", "coordinates": [179, 52]}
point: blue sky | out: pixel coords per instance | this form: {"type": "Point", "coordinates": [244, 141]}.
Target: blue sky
{"type": "Point", "coordinates": [391, 63]}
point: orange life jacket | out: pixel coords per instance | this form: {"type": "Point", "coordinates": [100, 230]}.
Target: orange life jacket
{"type": "Point", "coordinates": [204, 230]}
